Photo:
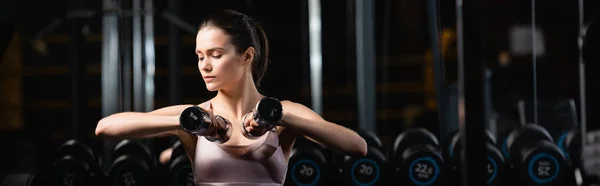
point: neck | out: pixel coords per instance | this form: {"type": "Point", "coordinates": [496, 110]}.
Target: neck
{"type": "Point", "coordinates": [239, 100]}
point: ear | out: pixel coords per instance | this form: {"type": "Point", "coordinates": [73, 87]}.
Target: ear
{"type": "Point", "coordinates": [248, 55]}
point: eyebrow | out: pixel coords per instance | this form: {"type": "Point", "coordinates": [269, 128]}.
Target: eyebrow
{"type": "Point", "coordinates": [210, 50]}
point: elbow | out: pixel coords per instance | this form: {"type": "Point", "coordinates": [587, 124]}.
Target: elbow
{"type": "Point", "coordinates": [103, 128]}
{"type": "Point", "coordinates": [361, 148]}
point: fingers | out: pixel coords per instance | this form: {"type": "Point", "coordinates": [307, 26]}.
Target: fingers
{"type": "Point", "coordinates": [165, 156]}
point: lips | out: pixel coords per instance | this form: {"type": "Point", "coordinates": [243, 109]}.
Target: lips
{"type": "Point", "coordinates": [209, 78]}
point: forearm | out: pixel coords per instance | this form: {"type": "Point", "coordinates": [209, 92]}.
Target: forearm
{"type": "Point", "coordinates": [137, 125]}
{"type": "Point", "coordinates": [331, 135]}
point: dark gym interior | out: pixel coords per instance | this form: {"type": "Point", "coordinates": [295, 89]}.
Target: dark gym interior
{"type": "Point", "coordinates": [471, 92]}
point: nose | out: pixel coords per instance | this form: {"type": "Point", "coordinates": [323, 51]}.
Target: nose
{"type": "Point", "coordinates": [204, 65]}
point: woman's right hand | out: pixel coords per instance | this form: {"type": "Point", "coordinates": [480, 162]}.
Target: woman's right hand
{"type": "Point", "coordinates": [124, 125]}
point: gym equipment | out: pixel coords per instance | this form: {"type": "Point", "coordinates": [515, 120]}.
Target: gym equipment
{"type": "Point", "coordinates": [570, 144]}
{"type": "Point", "coordinates": [534, 156]}
{"type": "Point", "coordinates": [495, 165]}
{"type": "Point", "coordinates": [367, 170]}
{"type": "Point", "coordinates": [307, 166]}
{"type": "Point", "coordinates": [590, 42]}
{"type": "Point", "coordinates": [132, 165]}
{"type": "Point", "coordinates": [75, 164]}
{"type": "Point", "coordinates": [180, 167]}
{"type": "Point", "coordinates": [198, 121]}
{"type": "Point", "coordinates": [558, 116]}
{"type": "Point", "coordinates": [20, 180]}
{"type": "Point", "coordinates": [267, 114]}
{"type": "Point", "coordinates": [417, 158]}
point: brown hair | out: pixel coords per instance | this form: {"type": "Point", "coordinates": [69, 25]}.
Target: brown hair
{"type": "Point", "coordinates": [244, 32]}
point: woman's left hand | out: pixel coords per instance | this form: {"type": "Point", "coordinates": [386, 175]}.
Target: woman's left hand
{"type": "Point", "coordinates": [251, 128]}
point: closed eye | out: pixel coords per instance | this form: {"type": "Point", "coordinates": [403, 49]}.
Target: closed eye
{"type": "Point", "coordinates": [217, 56]}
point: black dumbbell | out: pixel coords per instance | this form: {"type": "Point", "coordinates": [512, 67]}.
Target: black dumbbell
{"type": "Point", "coordinates": [570, 144]}
{"type": "Point", "coordinates": [417, 158]}
{"type": "Point", "coordinates": [132, 165]}
{"type": "Point", "coordinates": [495, 162]}
{"type": "Point", "coordinates": [535, 157]}
{"type": "Point", "coordinates": [367, 170]}
{"type": "Point", "coordinates": [197, 121]}
{"type": "Point", "coordinates": [180, 167]}
{"type": "Point", "coordinates": [20, 180]}
{"type": "Point", "coordinates": [75, 164]}
{"type": "Point", "coordinates": [267, 114]}
{"type": "Point", "coordinates": [307, 165]}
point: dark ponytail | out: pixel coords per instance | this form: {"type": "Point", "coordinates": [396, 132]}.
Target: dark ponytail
{"type": "Point", "coordinates": [244, 32]}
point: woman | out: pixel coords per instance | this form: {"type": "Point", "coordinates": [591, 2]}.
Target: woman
{"type": "Point", "coordinates": [232, 53]}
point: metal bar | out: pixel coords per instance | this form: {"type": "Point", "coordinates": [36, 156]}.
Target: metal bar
{"type": "Point", "coordinates": [138, 85]}
{"type": "Point", "coordinates": [385, 58]}
{"type": "Point", "coordinates": [110, 66]}
{"type": "Point", "coordinates": [471, 59]}
{"type": "Point", "coordinates": [174, 55]}
{"type": "Point", "coordinates": [177, 21]}
{"type": "Point", "coordinates": [316, 58]}
{"type": "Point", "coordinates": [365, 64]}
{"type": "Point", "coordinates": [126, 56]}
{"type": "Point", "coordinates": [149, 56]}
{"type": "Point", "coordinates": [77, 70]}
{"type": "Point", "coordinates": [534, 60]}
{"type": "Point", "coordinates": [582, 87]}
{"type": "Point", "coordinates": [438, 66]}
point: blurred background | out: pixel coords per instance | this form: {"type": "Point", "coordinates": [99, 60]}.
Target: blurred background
{"type": "Point", "coordinates": [57, 77]}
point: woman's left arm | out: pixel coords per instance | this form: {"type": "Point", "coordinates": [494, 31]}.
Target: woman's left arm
{"type": "Point", "coordinates": [312, 126]}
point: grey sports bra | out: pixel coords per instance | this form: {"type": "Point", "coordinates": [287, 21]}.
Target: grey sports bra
{"type": "Point", "coordinates": [262, 163]}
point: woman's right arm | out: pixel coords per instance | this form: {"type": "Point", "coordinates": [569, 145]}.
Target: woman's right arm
{"type": "Point", "coordinates": [128, 125]}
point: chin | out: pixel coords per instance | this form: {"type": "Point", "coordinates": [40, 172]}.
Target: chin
{"type": "Point", "coordinates": [211, 88]}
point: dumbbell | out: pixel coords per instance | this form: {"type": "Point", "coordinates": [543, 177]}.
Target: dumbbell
{"type": "Point", "coordinates": [495, 162]}
{"type": "Point", "coordinates": [307, 165]}
{"type": "Point", "coordinates": [417, 158]}
{"type": "Point", "coordinates": [132, 165]}
{"type": "Point", "coordinates": [75, 164]}
{"type": "Point", "coordinates": [197, 121]}
{"type": "Point", "coordinates": [570, 144]}
{"type": "Point", "coordinates": [267, 114]}
{"type": "Point", "coordinates": [20, 180]}
{"type": "Point", "coordinates": [369, 169]}
{"type": "Point", "coordinates": [535, 157]}
{"type": "Point", "coordinates": [180, 167]}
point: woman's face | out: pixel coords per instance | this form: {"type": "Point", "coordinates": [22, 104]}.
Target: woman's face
{"type": "Point", "coordinates": [219, 63]}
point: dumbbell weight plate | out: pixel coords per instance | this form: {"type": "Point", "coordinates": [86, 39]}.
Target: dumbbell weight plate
{"type": "Point", "coordinates": [71, 171]}
{"type": "Point", "coordinates": [495, 165]}
{"type": "Point", "coordinates": [269, 110]}
{"type": "Point", "coordinates": [129, 171]}
{"type": "Point", "coordinates": [132, 166]}
{"type": "Point", "coordinates": [520, 137]}
{"type": "Point", "coordinates": [544, 163]}
{"type": "Point", "coordinates": [371, 138]}
{"type": "Point", "coordinates": [570, 144]}
{"type": "Point", "coordinates": [308, 166]}
{"type": "Point", "coordinates": [367, 170]}
{"type": "Point", "coordinates": [180, 166]}
{"type": "Point", "coordinates": [422, 164]}
{"type": "Point", "coordinates": [194, 120]}
{"type": "Point", "coordinates": [73, 164]}
{"type": "Point", "coordinates": [181, 172]}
